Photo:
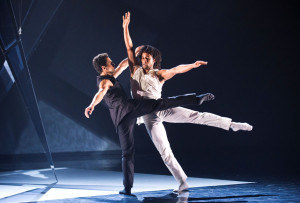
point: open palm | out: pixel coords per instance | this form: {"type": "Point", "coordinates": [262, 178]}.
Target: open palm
{"type": "Point", "coordinates": [126, 19]}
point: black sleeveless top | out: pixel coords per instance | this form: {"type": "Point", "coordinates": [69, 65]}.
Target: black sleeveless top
{"type": "Point", "coordinates": [115, 99]}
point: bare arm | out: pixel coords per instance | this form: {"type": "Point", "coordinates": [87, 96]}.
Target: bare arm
{"type": "Point", "coordinates": [103, 87]}
{"type": "Point", "coordinates": [168, 74]}
{"type": "Point", "coordinates": [132, 61]}
{"type": "Point", "coordinates": [124, 64]}
{"type": "Point", "coordinates": [121, 67]}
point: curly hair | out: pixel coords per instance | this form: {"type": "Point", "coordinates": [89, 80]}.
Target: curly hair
{"type": "Point", "coordinates": [154, 52]}
{"type": "Point", "coordinates": [100, 60]}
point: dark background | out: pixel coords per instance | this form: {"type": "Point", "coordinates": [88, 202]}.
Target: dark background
{"type": "Point", "coordinates": [252, 51]}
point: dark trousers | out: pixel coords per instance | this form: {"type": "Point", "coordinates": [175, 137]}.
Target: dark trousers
{"type": "Point", "coordinates": [125, 128]}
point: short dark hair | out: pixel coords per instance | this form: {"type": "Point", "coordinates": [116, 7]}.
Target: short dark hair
{"type": "Point", "coordinates": [99, 61]}
{"type": "Point", "coordinates": [154, 52]}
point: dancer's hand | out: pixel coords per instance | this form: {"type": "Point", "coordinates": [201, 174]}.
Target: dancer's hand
{"type": "Point", "coordinates": [199, 63]}
{"type": "Point", "coordinates": [88, 111]}
{"type": "Point", "coordinates": [126, 19]}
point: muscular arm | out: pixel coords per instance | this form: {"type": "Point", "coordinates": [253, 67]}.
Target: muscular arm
{"type": "Point", "coordinates": [103, 87]}
{"type": "Point", "coordinates": [168, 74]}
{"type": "Point", "coordinates": [124, 64]}
{"type": "Point", "coordinates": [121, 67]}
{"type": "Point", "coordinates": [132, 61]}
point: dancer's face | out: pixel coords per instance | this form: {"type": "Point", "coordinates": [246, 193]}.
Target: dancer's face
{"type": "Point", "coordinates": [110, 66]}
{"type": "Point", "coordinates": [147, 61]}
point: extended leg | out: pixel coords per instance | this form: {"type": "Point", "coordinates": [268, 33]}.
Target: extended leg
{"type": "Point", "coordinates": [184, 115]}
{"type": "Point", "coordinates": [146, 106]}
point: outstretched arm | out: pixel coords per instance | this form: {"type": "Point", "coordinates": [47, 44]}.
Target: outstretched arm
{"type": "Point", "coordinates": [168, 74]}
{"type": "Point", "coordinates": [103, 87]}
{"type": "Point", "coordinates": [132, 61]}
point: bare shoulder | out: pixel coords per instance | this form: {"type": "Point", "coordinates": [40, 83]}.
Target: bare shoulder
{"type": "Point", "coordinates": [161, 71]}
{"type": "Point", "coordinates": [136, 68]}
{"type": "Point", "coordinates": [105, 84]}
{"type": "Point", "coordinates": [160, 74]}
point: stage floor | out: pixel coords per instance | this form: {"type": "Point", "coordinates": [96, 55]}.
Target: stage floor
{"type": "Point", "coordinates": [81, 185]}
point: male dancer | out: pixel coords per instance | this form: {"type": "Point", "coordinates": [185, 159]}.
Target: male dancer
{"type": "Point", "coordinates": [146, 83]}
{"type": "Point", "coordinates": [124, 111]}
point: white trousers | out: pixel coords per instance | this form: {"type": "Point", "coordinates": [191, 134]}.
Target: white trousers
{"type": "Point", "coordinates": [158, 135]}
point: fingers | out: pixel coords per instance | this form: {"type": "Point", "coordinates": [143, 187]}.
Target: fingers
{"type": "Point", "coordinates": [199, 63]}
{"type": "Point", "coordinates": [126, 19]}
{"type": "Point", "coordinates": [126, 16]}
{"type": "Point", "coordinates": [86, 113]}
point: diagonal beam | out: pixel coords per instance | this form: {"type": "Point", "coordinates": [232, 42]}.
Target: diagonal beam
{"type": "Point", "coordinates": [15, 57]}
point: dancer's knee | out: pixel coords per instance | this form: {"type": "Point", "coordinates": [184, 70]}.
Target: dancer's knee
{"type": "Point", "coordinates": [127, 153]}
{"type": "Point", "coordinates": [202, 117]}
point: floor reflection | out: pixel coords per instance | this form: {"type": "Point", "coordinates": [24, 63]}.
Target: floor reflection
{"type": "Point", "coordinates": [86, 184]}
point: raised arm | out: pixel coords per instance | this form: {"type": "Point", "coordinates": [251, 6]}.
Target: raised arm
{"type": "Point", "coordinates": [103, 87]}
{"type": "Point", "coordinates": [169, 73]}
{"type": "Point", "coordinates": [124, 64]}
{"type": "Point", "coordinates": [132, 61]}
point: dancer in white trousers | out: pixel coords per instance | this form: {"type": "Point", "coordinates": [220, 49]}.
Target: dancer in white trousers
{"type": "Point", "coordinates": [146, 83]}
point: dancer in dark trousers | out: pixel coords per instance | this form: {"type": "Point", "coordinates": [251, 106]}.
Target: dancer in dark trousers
{"type": "Point", "coordinates": [124, 111]}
